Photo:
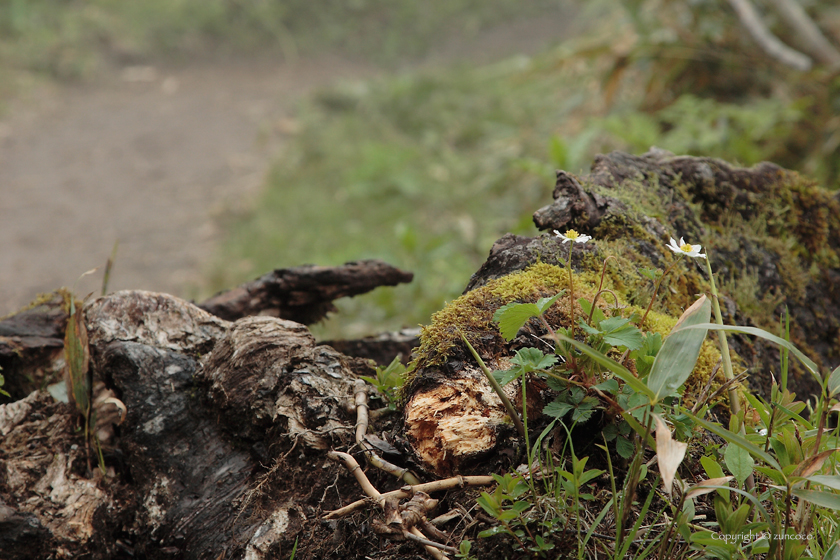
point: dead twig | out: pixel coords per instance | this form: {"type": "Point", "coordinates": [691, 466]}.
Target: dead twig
{"type": "Point", "coordinates": [807, 32]}
{"type": "Point", "coordinates": [362, 422]}
{"type": "Point", "coordinates": [408, 491]}
{"type": "Point", "coordinates": [767, 41]}
{"type": "Point", "coordinates": [357, 471]}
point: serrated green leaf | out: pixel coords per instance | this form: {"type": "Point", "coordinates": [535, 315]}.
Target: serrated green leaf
{"type": "Point", "coordinates": [608, 386]}
{"type": "Point", "coordinates": [503, 377]}
{"type": "Point", "coordinates": [530, 359]}
{"type": "Point", "coordinates": [739, 462]}
{"type": "Point", "coordinates": [612, 324]}
{"type": "Point", "coordinates": [557, 408]}
{"type": "Point", "coordinates": [678, 355]}
{"type": "Point", "coordinates": [652, 344]}
{"type": "Point", "coordinates": [513, 316]}
{"type": "Point", "coordinates": [587, 328]}
{"type": "Point", "coordinates": [629, 337]}
{"type": "Point", "coordinates": [583, 412]}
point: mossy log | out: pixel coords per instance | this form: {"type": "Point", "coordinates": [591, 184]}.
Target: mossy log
{"type": "Point", "coordinates": [222, 451]}
{"type": "Point", "coordinates": [773, 239]}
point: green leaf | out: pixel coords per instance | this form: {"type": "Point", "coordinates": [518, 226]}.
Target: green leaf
{"type": "Point", "coordinates": [77, 357]}
{"type": "Point", "coordinates": [714, 471]}
{"type": "Point", "coordinates": [652, 344]}
{"type": "Point", "coordinates": [530, 359]}
{"type": "Point", "coordinates": [629, 337]}
{"type": "Point", "coordinates": [774, 475]}
{"type": "Point", "coordinates": [737, 439]}
{"type": "Point", "coordinates": [618, 331]}
{"type": "Point", "coordinates": [824, 499]}
{"type": "Point", "coordinates": [545, 303]}
{"type": "Point", "coordinates": [597, 315]}
{"type": "Point", "coordinates": [608, 386]}
{"type": "Point", "coordinates": [678, 355]}
{"type": "Point", "coordinates": [832, 481]}
{"type": "Point", "coordinates": [832, 553]}
{"type": "Point", "coordinates": [489, 503]}
{"type": "Point", "coordinates": [503, 377]}
{"type": "Point", "coordinates": [761, 333]}
{"type": "Point", "coordinates": [739, 462]}
{"type": "Point", "coordinates": [557, 408]}
{"type": "Point", "coordinates": [584, 410]}
{"type": "Point", "coordinates": [512, 316]}
{"type": "Point", "coordinates": [612, 324]}
{"type": "Point", "coordinates": [624, 447]}
{"type": "Point", "coordinates": [834, 382]}
{"type": "Point", "coordinates": [712, 467]}
{"type": "Point", "coordinates": [492, 531]}
{"type": "Point", "coordinates": [619, 370]}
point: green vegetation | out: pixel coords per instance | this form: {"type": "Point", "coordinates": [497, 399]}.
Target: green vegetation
{"type": "Point", "coordinates": [772, 468]}
{"type": "Point", "coordinates": [71, 39]}
{"type": "Point", "coordinates": [426, 169]}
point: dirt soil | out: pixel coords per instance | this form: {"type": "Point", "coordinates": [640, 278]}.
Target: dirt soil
{"type": "Point", "coordinates": [152, 157]}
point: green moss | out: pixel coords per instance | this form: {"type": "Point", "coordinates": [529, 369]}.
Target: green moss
{"type": "Point", "coordinates": [472, 314]}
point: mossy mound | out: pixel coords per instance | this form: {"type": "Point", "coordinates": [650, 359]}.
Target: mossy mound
{"type": "Point", "coordinates": [472, 315]}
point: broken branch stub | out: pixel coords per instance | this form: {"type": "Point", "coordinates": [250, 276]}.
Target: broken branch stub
{"type": "Point", "coordinates": [305, 293]}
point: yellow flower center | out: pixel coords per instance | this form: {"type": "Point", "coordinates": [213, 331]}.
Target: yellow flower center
{"type": "Point", "coordinates": [686, 248]}
{"type": "Point", "coordinates": [572, 234]}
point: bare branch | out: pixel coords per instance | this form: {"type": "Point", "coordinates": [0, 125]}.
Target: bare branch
{"type": "Point", "coordinates": [766, 40]}
{"type": "Point", "coordinates": [406, 491]}
{"type": "Point", "coordinates": [808, 32]}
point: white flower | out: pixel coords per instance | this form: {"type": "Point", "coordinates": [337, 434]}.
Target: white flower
{"type": "Point", "coordinates": [572, 235]}
{"type": "Point", "coordinates": [686, 249]}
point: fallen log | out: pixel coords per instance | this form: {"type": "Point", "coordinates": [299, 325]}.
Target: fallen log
{"type": "Point", "coordinates": [223, 451]}
{"type": "Point", "coordinates": [305, 293]}
{"type": "Point", "coordinates": [631, 206]}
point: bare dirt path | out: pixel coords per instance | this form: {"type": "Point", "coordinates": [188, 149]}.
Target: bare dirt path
{"type": "Point", "coordinates": [151, 157]}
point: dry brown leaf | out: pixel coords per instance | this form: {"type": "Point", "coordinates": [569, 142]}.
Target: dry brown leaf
{"type": "Point", "coordinates": [669, 453]}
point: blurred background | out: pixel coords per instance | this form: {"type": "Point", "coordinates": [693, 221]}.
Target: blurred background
{"type": "Point", "coordinates": [216, 140]}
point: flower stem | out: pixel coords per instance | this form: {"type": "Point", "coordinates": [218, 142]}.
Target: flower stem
{"type": "Point", "coordinates": [734, 404]}
{"type": "Point", "coordinates": [571, 306]}
{"type": "Point", "coordinates": [656, 289]}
